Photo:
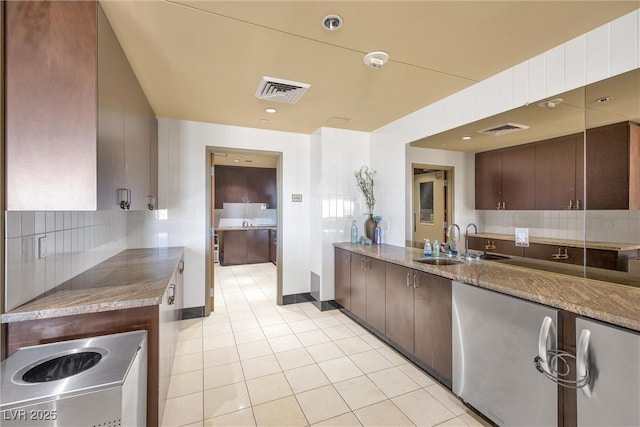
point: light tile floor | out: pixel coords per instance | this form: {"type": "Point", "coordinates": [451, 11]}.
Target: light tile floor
{"type": "Point", "coordinates": [253, 363]}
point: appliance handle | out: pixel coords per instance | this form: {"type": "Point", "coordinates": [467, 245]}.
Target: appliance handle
{"type": "Point", "coordinates": [582, 362]}
{"type": "Point", "coordinates": [545, 330]}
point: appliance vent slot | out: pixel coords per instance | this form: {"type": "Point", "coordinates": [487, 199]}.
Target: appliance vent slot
{"type": "Point", "coordinates": [503, 129]}
{"type": "Point", "coordinates": [273, 89]}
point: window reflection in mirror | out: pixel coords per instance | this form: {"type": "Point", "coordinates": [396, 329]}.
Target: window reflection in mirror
{"type": "Point", "coordinates": [426, 202]}
{"type": "Point", "coordinates": [593, 234]}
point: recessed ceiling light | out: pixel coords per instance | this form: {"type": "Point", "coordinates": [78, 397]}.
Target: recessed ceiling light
{"type": "Point", "coordinates": [332, 22]}
{"type": "Point", "coordinates": [466, 138]}
{"type": "Point", "coordinates": [270, 110]}
{"type": "Point", "coordinates": [604, 99]}
{"type": "Point", "coordinates": [376, 59]}
{"type": "Point", "coordinates": [550, 104]}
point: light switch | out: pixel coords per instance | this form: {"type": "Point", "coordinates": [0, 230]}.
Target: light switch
{"type": "Point", "coordinates": [42, 247]}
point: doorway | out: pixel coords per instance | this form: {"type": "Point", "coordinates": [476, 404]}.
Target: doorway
{"type": "Point", "coordinates": [252, 212]}
{"type": "Point", "coordinates": [432, 203]}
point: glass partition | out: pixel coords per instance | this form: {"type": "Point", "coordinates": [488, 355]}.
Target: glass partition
{"type": "Point", "coordinates": [569, 169]}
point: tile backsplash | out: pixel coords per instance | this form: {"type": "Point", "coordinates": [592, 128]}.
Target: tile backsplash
{"type": "Point", "coordinates": [75, 242]}
{"type": "Point", "coordinates": [619, 226]}
{"type": "Point", "coordinates": [232, 214]}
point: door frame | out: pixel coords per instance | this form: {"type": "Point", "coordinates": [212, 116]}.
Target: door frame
{"type": "Point", "coordinates": [210, 220]}
{"type": "Point", "coordinates": [449, 214]}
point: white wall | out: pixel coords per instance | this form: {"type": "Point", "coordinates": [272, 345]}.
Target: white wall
{"type": "Point", "coordinates": [335, 199]}
{"type": "Point", "coordinates": [183, 154]}
{"type": "Point", "coordinates": [609, 50]}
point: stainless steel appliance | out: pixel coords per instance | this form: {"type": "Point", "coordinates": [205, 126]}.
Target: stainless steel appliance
{"type": "Point", "coordinates": [99, 381]}
{"type": "Point", "coordinates": [609, 357]}
{"type": "Point", "coordinates": [495, 338]}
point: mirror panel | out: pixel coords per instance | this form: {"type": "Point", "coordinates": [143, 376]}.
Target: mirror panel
{"type": "Point", "coordinates": [600, 242]}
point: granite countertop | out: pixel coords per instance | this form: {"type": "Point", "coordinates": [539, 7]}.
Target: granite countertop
{"type": "Point", "coordinates": [609, 246]}
{"type": "Point", "coordinates": [252, 227]}
{"type": "Point", "coordinates": [602, 300]}
{"type": "Point", "coordinates": [132, 278]}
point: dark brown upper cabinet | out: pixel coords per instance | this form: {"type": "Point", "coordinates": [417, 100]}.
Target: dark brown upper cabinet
{"type": "Point", "coordinates": [72, 99]}
{"type": "Point", "coordinates": [504, 179]}
{"type": "Point", "coordinates": [558, 173]}
{"type": "Point", "coordinates": [613, 167]}
{"type": "Point", "coordinates": [237, 184]}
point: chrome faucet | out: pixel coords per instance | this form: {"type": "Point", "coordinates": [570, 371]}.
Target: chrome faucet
{"type": "Point", "coordinates": [457, 241]}
{"type": "Point", "coordinates": [466, 238]}
{"type": "Point", "coordinates": [245, 222]}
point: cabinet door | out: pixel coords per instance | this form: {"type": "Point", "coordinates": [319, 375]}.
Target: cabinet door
{"type": "Point", "coordinates": [432, 323]}
{"type": "Point", "coordinates": [257, 245]}
{"type": "Point", "coordinates": [343, 278]}
{"type": "Point", "coordinates": [505, 247]}
{"type": "Point", "coordinates": [273, 246]}
{"type": "Point", "coordinates": [137, 137]}
{"type": "Point", "coordinates": [546, 252]}
{"type": "Point", "coordinates": [234, 247]}
{"type": "Point", "coordinates": [50, 98]}
{"type": "Point", "coordinates": [555, 172]}
{"type": "Point", "coordinates": [112, 68]}
{"type": "Point", "coordinates": [153, 156]}
{"type": "Point", "coordinates": [358, 286]}
{"type": "Point", "coordinates": [488, 179]}
{"type": "Point", "coordinates": [399, 305]}
{"type": "Point", "coordinates": [518, 177]}
{"type": "Point", "coordinates": [376, 293]}
{"type": "Point", "coordinates": [220, 183]}
{"type": "Point", "coordinates": [607, 166]}
{"type": "Point", "coordinates": [265, 184]}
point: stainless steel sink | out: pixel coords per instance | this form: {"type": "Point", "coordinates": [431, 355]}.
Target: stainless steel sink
{"type": "Point", "coordinates": [438, 261]}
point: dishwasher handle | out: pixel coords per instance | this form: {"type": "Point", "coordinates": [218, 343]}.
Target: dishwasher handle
{"type": "Point", "coordinates": [543, 338]}
{"type": "Point", "coordinates": [582, 362]}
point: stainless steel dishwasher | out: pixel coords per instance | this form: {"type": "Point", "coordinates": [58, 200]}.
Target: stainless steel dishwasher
{"type": "Point", "coordinates": [495, 339]}
{"type": "Point", "coordinates": [86, 382]}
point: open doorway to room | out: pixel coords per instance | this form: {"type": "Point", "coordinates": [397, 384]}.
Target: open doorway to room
{"type": "Point", "coordinates": [432, 203]}
{"type": "Point", "coordinates": [244, 218]}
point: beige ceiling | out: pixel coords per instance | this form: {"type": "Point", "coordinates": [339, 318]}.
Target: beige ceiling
{"type": "Point", "coordinates": [202, 60]}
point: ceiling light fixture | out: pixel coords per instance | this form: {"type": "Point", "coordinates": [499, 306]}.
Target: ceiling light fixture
{"type": "Point", "coordinates": [270, 110]}
{"type": "Point", "coordinates": [376, 59]}
{"type": "Point", "coordinates": [332, 22]}
{"type": "Point", "coordinates": [466, 138]}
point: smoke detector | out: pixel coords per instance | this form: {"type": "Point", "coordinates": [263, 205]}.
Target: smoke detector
{"type": "Point", "coordinates": [376, 59]}
{"type": "Point", "coordinates": [332, 22]}
{"type": "Point", "coordinates": [550, 104]}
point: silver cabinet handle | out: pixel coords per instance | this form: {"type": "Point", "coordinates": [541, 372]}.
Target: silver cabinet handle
{"type": "Point", "coordinates": [171, 294]}
{"type": "Point", "coordinates": [546, 329]}
{"type": "Point", "coordinates": [408, 275]}
{"type": "Point", "coordinates": [504, 205]}
{"type": "Point", "coordinates": [570, 205]}
{"type": "Point", "coordinates": [181, 267]}
{"type": "Point", "coordinates": [498, 207]}
{"type": "Point", "coordinates": [577, 206]}
{"type": "Point", "coordinates": [582, 362]}
{"type": "Point", "coordinates": [414, 282]}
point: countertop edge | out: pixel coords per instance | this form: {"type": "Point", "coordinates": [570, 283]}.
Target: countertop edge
{"type": "Point", "coordinates": [608, 302]}
{"type": "Point", "coordinates": [145, 291]}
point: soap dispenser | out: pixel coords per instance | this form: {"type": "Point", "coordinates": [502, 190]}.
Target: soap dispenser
{"type": "Point", "coordinates": [427, 247]}
{"type": "Point", "coordinates": [354, 232]}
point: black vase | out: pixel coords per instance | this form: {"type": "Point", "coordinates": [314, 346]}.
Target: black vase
{"type": "Point", "coordinates": [370, 227]}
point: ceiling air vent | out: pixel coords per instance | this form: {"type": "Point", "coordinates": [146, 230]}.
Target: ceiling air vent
{"type": "Point", "coordinates": [503, 129]}
{"type": "Point", "coordinates": [280, 90]}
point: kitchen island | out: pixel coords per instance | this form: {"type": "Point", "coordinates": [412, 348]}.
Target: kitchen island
{"type": "Point", "coordinates": [137, 289]}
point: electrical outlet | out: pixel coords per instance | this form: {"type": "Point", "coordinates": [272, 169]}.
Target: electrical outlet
{"type": "Point", "coordinates": [42, 247]}
{"type": "Point", "coordinates": [522, 237]}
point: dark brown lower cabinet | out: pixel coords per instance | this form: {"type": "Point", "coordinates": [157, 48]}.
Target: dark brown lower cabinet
{"type": "Point", "coordinates": [399, 306]}
{"type": "Point", "coordinates": [343, 278]}
{"type": "Point", "coordinates": [257, 246]}
{"type": "Point", "coordinates": [358, 286]}
{"type": "Point", "coordinates": [376, 297]}
{"type": "Point", "coordinates": [245, 246]}
{"type": "Point", "coordinates": [432, 324]}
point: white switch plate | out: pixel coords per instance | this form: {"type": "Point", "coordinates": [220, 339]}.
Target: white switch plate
{"type": "Point", "coordinates": [42, 247]}
{"type": "Point", "coordinates": [522, 237]}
